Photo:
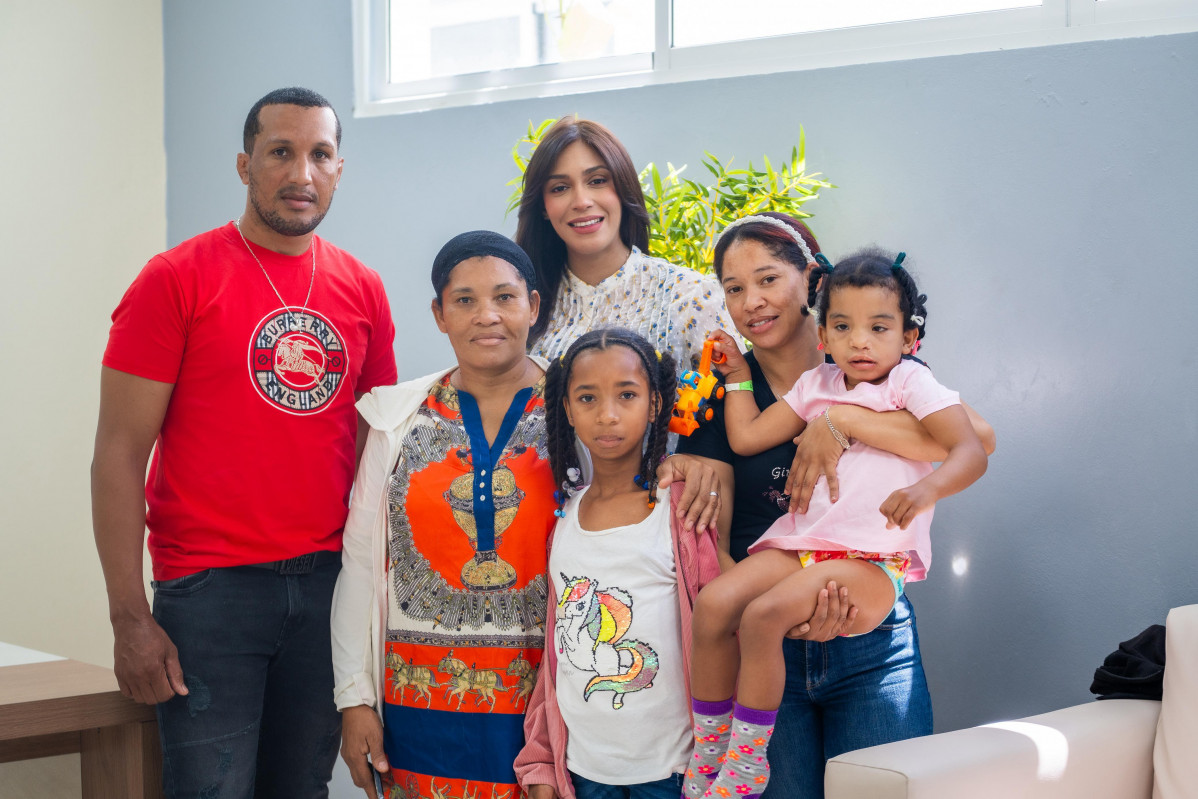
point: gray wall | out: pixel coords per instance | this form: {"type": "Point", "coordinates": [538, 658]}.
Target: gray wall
{"type": "Point", "coordinates": [1045, 196]}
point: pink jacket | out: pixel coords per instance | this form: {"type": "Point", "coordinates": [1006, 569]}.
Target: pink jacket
{"type": "Point", "coordinates": [543, 758]}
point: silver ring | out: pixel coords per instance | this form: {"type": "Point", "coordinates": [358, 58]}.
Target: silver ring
{"type": "Point", "coordinates": [713, 493]}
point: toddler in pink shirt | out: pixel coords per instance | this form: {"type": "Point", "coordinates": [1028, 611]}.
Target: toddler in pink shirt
{"type": "Point", "coordinates": [873, 539]}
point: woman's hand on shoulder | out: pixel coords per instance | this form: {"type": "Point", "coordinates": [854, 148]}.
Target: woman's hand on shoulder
{"type": "Point", "coordinates": [833, 615]}
{"type": "Point", "coordinates": [699, 505]}
{"type": "Point", "coordinates": [362, 736]}
{"type": "Point", "coordinates": [817, 455]}
{"type": "Point", "coordinates": [541, 791]}
{"type": "Point", "coordinates": [735, 368]}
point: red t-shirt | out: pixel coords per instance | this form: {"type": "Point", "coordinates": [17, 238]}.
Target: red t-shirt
{"type": "Point", "coordinates": [255, 458]}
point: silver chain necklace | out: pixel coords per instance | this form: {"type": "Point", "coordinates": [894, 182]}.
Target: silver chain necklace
{"type": "Point", "coordinates": [303, 309]}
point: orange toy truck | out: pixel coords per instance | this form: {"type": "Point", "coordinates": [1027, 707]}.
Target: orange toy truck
{"type": "Point", "coordinates": [695, 391]}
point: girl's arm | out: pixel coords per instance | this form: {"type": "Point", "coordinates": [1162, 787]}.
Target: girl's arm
{"type": "Point", "coordinates": [900, 433]}
{"type": "Point", "coordinates": [535, 766]}
{"type": "Point", "coordinates": [751, 431]}
{"type": "Point", "coordinates": [964, 463]}
{"type": "Point", "coordinates": [897, 432]}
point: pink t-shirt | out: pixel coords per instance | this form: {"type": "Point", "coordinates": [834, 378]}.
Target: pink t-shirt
{"type": "Point", "coordinates": [867, 475]}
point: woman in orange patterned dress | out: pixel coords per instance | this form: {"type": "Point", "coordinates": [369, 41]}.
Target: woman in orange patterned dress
{"type": "Point", "coordinates": [445, 547]}
{"type": "Point", "coordinates": [438, 618]}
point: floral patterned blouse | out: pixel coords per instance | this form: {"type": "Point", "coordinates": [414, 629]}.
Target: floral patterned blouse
{"type": "Point", "coordinates": [673, 307]}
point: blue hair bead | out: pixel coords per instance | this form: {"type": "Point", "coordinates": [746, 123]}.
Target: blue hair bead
{"type": "Point", "coordinates": [559, 513]}
{"type": "Point", "coordinates": [640, 481]}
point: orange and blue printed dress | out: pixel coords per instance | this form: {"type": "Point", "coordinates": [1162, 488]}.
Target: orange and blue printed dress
{"type": "Point", "coordinates": [468, 521]}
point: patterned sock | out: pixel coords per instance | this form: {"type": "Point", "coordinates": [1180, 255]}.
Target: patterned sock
{"type": "Point", "coordinates": [713, 725]}
{"type": "Point", "coordinates": [746, 770]}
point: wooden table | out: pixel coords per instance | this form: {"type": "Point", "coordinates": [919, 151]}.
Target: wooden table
{"type": "Point", "coordinates": [64, 706]}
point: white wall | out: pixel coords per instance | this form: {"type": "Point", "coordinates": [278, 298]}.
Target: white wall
{"type": "Point", "coordinates": [83, 207]}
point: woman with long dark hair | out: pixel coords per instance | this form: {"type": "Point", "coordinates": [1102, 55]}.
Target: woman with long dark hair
{"type": "Point", "coordinates": [583, 222]}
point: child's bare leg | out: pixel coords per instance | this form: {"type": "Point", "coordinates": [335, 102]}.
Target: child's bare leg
{"type": "Point", "coordinates": [716, 656]}
{"type": "Point", "coordinates": [763, 623]}
{"type": "Point", "coordinates": [717, 615]}
{"type": "Point", "coordinates": [767, 618]}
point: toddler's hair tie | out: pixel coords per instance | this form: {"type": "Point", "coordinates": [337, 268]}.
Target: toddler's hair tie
{"type": "Point", "coordinates": [898, 263]}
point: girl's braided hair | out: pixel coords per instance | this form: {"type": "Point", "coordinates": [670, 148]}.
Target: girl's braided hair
{"type": "Point", "coordinates": [871, 266]}
{"type": "Point", "coordinates": [563, 455]}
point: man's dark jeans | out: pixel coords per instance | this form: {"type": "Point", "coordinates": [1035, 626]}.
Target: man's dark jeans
{"type": "Point", "coordinates": [259, 720]}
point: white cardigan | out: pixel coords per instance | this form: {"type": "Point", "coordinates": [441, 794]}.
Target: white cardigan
{"type": "Point", "coordinates": [359, 616]}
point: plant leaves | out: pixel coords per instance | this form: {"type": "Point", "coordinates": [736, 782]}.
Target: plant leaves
{"type": "Point", "coordinates": [686, 214]}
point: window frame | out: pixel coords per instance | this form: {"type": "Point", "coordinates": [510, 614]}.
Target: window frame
{"type": "Point", "coordinates": [1054, 22]}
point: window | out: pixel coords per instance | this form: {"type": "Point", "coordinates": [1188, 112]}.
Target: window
{"type": "Point", "coordinates": [414, 55]}
{"type": "Point", "coordinates": [698, 22]}
{"type": "Point", "coordinates": [437, 39]}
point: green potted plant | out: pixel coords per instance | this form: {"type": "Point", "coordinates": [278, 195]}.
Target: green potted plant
{"type": "Point", "coordinates": [686, 215]}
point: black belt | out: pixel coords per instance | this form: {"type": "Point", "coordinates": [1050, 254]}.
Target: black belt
{"type": "Point", "coordinates": [300, 564]}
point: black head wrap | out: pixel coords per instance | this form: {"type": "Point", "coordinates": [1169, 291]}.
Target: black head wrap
{"type": "Point", "coordinates": [480, 243]}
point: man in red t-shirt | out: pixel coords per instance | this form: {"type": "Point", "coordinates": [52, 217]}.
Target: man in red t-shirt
{"type": "Point", "coordinates": [236, 358]}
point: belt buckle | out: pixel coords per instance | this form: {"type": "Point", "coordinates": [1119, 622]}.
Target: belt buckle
{"type": "Point", "coordinates": [300, 564]}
